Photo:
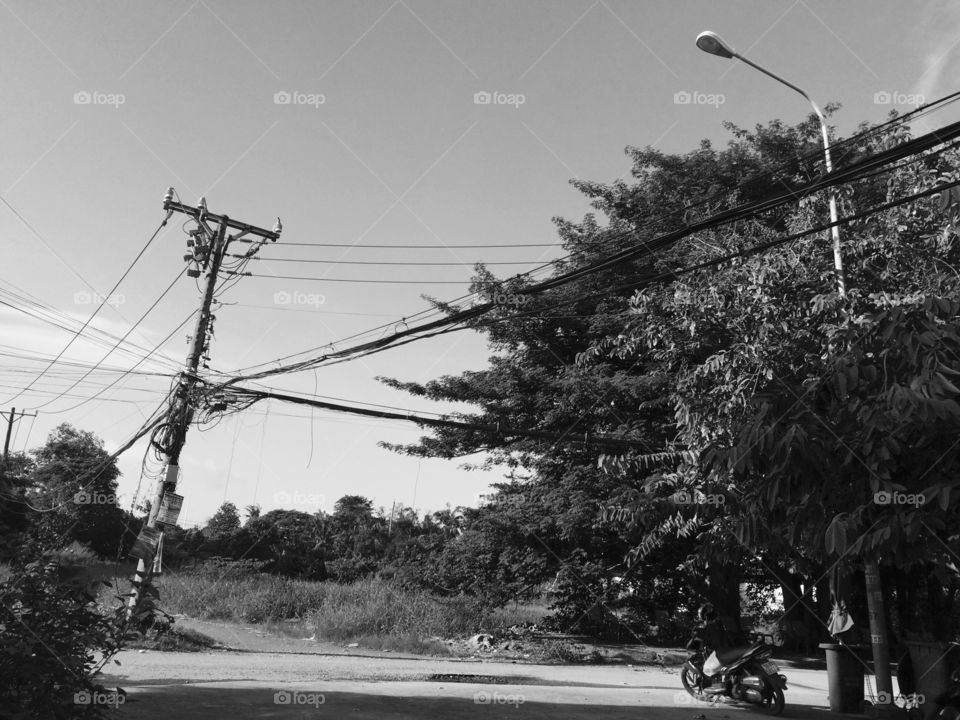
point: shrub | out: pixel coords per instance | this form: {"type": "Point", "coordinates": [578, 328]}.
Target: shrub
{"type": "Point", "coordinates": [53, 641]}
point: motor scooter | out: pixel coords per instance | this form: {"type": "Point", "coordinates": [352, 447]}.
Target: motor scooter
{"type": "Point", "coordinates": [744, 674]}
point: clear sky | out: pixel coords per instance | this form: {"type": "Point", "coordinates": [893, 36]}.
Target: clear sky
{"type": "Point", "coordinates": [383, 142]}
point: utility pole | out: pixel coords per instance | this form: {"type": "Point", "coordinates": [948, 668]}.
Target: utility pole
{"type": "Point", "coordinates": [11, 417]}
{"type": "Point", "coordinates": [208, 247]}
{"type": "Point", "coordinates": [879, 639]}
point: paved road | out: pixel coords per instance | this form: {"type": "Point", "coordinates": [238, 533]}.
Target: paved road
{"type": "Point", "coordinates": [243, 686]}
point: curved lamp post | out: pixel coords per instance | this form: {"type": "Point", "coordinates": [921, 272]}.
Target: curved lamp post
{"type": "Point", "coordinates": [711, 43]}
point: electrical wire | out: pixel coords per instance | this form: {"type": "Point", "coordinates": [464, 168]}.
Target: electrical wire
{"type": "Point", "coordinates": [62, 322]}
{"type": "Point", "coordinates": [384, 262]}
{"type": "Point", "coordinates": [850, 173]}
{"type": "Point", "coordinates": [840, 149]}
{"type": "Point", "coordinates": [403, 247]}
{"type": "Point", "coordinates": [241, 398]}
{"type": "Point", "coordinates": [103, 302]}
{"type": "Point", "coordinates": [132, 328]}
{"type": "Point", "coordinates": [353, 280]}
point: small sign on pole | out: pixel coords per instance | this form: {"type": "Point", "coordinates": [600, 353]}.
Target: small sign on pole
{"type": "Point", "coordinates": [146, 544]}
{"type": "Point", "coordinates": [170, 506]}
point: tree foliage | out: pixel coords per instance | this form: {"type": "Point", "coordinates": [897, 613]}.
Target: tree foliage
{"type": "Point", "coordinates": [771, 410]}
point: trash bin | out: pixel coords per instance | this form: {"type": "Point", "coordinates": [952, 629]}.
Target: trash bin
{"type": "Point", "coordinates": [931, 668]}
{"type": "Point", "coordinates": [845, 669]}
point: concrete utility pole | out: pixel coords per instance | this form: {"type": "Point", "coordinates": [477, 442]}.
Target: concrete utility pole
{"type": "Point", "coordinates": [209, 248]}
{"type": "Point", "coordinates": [879, 639]}
{"type": "Point", "coordinates": [11, 417]}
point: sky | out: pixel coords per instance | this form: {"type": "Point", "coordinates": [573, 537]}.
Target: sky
{"type": "Point", "coordinates": [398, 123]}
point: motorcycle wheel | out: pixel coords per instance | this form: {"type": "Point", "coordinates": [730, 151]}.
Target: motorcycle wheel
{"type": "Point", "coordinates": [690, 677]}
{"type": "Point", "coordinates": [773, 705]}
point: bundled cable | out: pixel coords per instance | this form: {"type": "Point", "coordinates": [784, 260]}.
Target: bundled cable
{"type": "Point", "coordinates": [861, 168]}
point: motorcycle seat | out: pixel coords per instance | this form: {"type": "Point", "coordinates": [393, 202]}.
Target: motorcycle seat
{"type": "Point", "coordinates": [729, 655]}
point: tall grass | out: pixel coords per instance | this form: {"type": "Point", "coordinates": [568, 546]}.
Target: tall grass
{"type": "Point", "coordinates": [253, 598]}
{"type": "Point", "coordinates": [373, 612]}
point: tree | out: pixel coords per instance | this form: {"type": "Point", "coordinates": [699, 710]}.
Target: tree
{"type": "Point", "coordinates": [14, 509]}
{"type": "Point", "coordinates": [736, 379]}
{"type": "Point", "coordinates": [289, 542]}
{"type": "Point", "coordinates": [357, 538]}
{"type": "Point", "coordinates": [74, 483]}
{"type": "Point", "coordinates": [224, 522]}
{"type": "Point", "coordinates": [802, 408]}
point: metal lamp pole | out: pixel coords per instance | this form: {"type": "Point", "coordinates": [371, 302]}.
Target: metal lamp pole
{"type": "Point", "coordinates": [711, 43]}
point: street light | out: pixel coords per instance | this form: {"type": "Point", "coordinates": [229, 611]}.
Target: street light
{"type": "Point", "coordinates": [712, 43]}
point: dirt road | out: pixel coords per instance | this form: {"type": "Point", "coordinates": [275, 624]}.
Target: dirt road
{"type": "Point", "coordinates": [244, 685]}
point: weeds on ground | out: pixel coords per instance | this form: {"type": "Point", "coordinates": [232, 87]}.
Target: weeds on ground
{"type": "Point", "coordinates": [375, 613]}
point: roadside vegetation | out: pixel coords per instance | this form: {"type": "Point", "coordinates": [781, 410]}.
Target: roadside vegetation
{"type": "Point", "coordinates": [784, 434]}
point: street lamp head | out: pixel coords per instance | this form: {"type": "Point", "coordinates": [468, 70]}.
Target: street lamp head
{"type": "Point", "coordinates": [711, 43]}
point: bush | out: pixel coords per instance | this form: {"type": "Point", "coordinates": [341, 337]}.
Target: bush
{"type": "Point", "coordinates": [52, 643]}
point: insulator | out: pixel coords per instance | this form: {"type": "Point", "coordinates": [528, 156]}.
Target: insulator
{"type": "Point", "coordinates": [193, 272]}
{"type": "Point", "coordinates": [190, 242]}
{"type": "Point", "coordinates": [168, 198]}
